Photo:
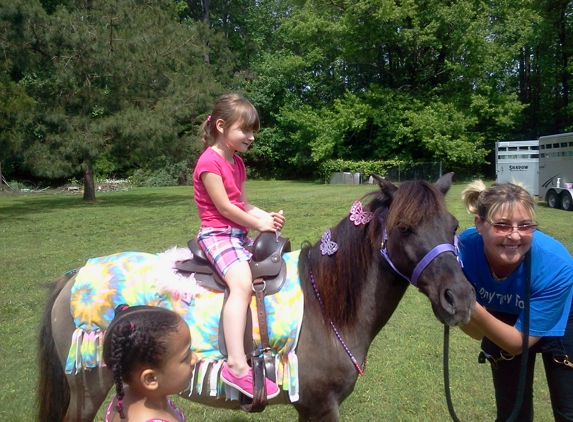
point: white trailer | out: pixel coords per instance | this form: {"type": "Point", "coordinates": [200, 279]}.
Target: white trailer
{"type": "Point", "coordinates": [518, 161]}
{"type": "Point", "coordinates": [556, 170]}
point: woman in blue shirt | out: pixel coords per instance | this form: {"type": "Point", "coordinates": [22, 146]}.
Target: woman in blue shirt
{"type": "Point", "coordinates": [494, 254]}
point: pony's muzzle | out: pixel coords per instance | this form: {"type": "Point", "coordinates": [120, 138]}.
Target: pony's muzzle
{"type": "Point", "coordinates": [457, 307]}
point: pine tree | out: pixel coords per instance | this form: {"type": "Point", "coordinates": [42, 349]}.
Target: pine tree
{"type": "Point", "coordinates": [123, 79]}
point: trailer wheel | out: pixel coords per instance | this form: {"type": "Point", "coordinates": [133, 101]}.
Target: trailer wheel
{"type": "Point", "coordinates": [566, 202]}
{"type": "Point", "coordinates": [553, 199]}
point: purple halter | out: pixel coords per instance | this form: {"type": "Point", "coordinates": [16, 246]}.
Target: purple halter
{"type": "Point", "coordinates": [444, 247]}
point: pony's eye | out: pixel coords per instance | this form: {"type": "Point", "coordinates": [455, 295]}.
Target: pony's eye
{"type": "Point", "coordinates": [405, 230]}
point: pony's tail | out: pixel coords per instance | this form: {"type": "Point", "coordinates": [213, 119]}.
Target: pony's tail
{"type": "Point", "coordinates": [53, 391]}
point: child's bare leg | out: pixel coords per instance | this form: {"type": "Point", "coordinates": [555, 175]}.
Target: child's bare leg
{"type": "Point", "coordinates": [238, 278]}
{"type": "Point", "coordinates": [236, 371]}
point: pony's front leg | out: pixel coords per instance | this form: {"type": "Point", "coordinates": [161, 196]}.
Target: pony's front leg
{"type": "Point", "coordinates": [326, 373]}
{"type": "Point", "coordinates": [88, 391]}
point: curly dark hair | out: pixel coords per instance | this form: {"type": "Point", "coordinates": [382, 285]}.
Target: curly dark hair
{"type": "Point", "coordinates": [137, 336]}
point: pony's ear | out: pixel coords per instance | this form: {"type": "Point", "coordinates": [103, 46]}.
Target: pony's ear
{"type": "Point", "coordinates": [443, 184]}
{"type": "Point", "coordinates": [387, 187]}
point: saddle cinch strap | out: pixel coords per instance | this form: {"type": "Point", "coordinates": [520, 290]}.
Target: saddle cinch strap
{"type": "Point", "coordinates": [268, 270]}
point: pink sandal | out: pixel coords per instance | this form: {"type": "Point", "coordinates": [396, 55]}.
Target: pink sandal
{"type": "Point", "coordinates": [245, 383]}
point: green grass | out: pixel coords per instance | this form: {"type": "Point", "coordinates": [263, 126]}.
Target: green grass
{"type": "Point", "coordinates": [44, 235]}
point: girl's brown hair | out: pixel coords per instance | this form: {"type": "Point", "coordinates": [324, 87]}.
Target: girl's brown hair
{"type": "Point", "coordinates": [232, 109]}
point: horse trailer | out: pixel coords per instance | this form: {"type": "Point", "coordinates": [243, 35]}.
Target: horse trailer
{"type": "Point", "coordinates": [556, 170]}
{"type": "Point", "coordinates": [518, 162]}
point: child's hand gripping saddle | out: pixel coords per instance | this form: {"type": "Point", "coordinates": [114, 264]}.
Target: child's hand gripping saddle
{"type": "Point", "coordinates": [268, 269]}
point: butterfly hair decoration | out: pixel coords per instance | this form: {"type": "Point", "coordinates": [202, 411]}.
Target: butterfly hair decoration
{"type": "Point", "coordinates": [327, 246]}
{"type": "Point", "coordinates": [358, 216]}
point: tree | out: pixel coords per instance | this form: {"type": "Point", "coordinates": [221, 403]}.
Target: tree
{"type": "Point", "coordinates": [124, 79]}
{"type": "Point", "coordinates": [545, 76]}
{"type": "Point", "coordinates": [422, 80]}
{"type": "Point", "coordinates": [15, 108]}
{"type": "Point", "coordinates": [418, 80]}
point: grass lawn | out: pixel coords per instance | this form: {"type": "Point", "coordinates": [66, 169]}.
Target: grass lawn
{"type": "Point", "coordinates": [44, 235]}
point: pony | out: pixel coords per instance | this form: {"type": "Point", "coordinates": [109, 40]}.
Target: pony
{"type": "Point", "coordinates": [352, 281]}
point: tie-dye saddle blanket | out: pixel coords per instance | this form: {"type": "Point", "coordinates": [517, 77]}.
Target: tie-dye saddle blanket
{"type": "Point", "coordinates": [137, 278]}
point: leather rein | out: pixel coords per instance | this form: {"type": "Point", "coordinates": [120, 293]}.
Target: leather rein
{"type": "Point", "coordinates": [524, 355]}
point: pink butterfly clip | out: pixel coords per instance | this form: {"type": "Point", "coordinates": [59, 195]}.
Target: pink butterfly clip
{"type": "Point", "coordinates": [358, 216]}
{"type": "Point", "coordinates": [327, 246]}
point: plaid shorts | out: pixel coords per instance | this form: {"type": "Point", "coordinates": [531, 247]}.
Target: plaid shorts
{"type": "Point", "coordinates": [224, 246]}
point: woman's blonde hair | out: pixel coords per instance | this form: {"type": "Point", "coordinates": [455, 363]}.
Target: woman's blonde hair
{"type": "Point", "coordinates": [232, 109]}
{"type": "Point", "coordinates": [486, 201]}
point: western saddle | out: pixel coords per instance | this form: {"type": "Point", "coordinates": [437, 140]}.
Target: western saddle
{"type": "Point", "coordinates": [268, 269]}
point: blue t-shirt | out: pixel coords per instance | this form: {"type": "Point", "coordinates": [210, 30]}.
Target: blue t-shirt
{"type": "Point", "coordinates": [551, 283]}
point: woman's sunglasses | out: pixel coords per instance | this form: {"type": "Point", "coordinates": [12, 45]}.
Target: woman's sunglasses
{"type": "Point", "coordinates": [507, 229]}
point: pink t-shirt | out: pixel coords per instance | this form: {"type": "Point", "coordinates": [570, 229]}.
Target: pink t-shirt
{"type": "Point", "coordinates": [233, 175]}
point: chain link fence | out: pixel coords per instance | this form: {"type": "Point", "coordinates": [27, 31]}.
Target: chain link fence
{"type": "Point", "coordinates": [430, 171]}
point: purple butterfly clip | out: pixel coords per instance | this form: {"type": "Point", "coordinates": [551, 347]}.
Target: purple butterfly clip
{"type": "Point", "coordinates": [358, 216]}
{"type": "Point", "coordinates": [327, 246]}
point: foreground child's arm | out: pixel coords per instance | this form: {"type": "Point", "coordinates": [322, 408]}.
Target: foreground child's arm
{"type": "Point", "coordinates": [254, 219]}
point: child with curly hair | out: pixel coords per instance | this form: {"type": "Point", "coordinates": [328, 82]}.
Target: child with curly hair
{"type": "Point", "coordinates": [148, 350]}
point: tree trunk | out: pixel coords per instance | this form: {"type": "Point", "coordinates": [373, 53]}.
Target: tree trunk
{"type": "Point", "coordinates": [207, 21]}
{"type": "Point", "coordinates": [563, 34]}
{"type": "Point", "coordinates": [1, 178]}
{"type": "Point", "coordinates": [89, 189]}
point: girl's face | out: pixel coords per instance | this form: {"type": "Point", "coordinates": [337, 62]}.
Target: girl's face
{"type": "Point", "coordinates": [506, 250]}
{"type": "Point", "coordinates": [235, 138]}
{"type": "Point", "coordinates": [175, 375]}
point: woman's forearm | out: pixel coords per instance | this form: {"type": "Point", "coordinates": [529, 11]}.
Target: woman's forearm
{"type": "Point", "coordinates": [505, 336]}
